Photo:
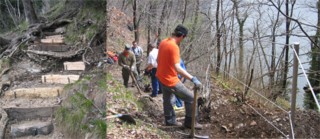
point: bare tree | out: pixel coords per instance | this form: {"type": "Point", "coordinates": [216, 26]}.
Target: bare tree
{"type": "Point", "coordinates": [30, 12]}
{"type": "Point", "coordinates": [193, 32]}
{"type": "Point", "coordinates": [241, 19]}
{"type": "Point", "coordinates": [161, 20]}
{"type": "Point", "coordinates": [218, 36]}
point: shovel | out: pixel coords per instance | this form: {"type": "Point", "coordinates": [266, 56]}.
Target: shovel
{"type": "Point", "coordinates": [136, 83]}
{"type": "Point", "coordinates": [192, 133]}
{"type": "Point", "coordinates": [124, 117]}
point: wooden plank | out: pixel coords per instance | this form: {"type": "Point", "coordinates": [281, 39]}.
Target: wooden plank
{"type": "Point", "coordinates": [18, 113]}
{"type": "Point", "coordinates": [49, 47]}
{"type": "Point", "coordinates": [55, 37]}
{"type": "Point", "coordinates": [62, 79]}
{"type": "Point", "coordinates": [38, 92]}
{"type": "Point", "coordinates": [74, 65]}
{"type": "Point", "coordinates": [52, 40]}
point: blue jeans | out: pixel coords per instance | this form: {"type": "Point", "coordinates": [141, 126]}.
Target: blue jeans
{"type": "Point", "coordinates": [178, 102]}
{"type": "Point", "coordinates": [169, 100]}
{"type": "Point", "coordinates": [154, 82]}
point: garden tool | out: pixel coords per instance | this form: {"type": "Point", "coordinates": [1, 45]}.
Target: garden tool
{"type": "Point", "coordinates": [136, 83]}
{"type": "Point", "coordinates": [192, 133]}
{"type": "Point", "coordinates": [124, 117]}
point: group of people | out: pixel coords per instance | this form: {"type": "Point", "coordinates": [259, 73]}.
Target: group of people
{"type": "Point", "coordinates": [168, 74]}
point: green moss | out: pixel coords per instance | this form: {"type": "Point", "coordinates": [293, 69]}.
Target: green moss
{"type": "Point", "coordinates": [100, 127]}
{"type": "Point", "coordinates": [56, 10]}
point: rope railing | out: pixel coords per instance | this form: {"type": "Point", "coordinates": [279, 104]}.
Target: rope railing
{"type": "Point", "coordinates": [268, 121]}
{"type": "Point", "coordinates": [291, 124]}
{"type": "Point", "coordinates": [288, 112]}
{"type": "Point", "coordinates": [256, 92]}
{"type": "Point", "coordinates": [305, 75]}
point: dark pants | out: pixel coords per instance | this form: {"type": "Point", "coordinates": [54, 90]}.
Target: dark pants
{"type": "Point", "coordinates": [126, 75]}
{"type": "Point", "coordinates": [169, 100]}
{"type": "Point", "coordinates": [155, 82]}
{"type": "Point", "coordinates": [138, 68]}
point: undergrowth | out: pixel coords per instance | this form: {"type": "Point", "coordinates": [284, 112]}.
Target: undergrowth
{"type": "Point", "coordinates": [124, 99]}
{"type": "Point", "coordinates": [79, 114]}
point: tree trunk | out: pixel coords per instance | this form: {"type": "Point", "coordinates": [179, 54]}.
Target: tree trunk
{"type": "Point", "coordinates": [218, 35]}
{"type": "Point", "coordinates": [231, 50]}
{"type": "Point", "coordinates": [241, 21]}
{"type": "Point", "coordinates": [29, 11]}
{"type": "Point", "coordinates": [272, 86]}
{"type": "Point", "coordinates": [193, 31]}
{"type": "Point", "coordinates": [135, 21]}
{"type": "Point", "coordinates": [107, 25]}
{"type": "Point", "coordinates": [163, 15]}
{"type": "Point", "coordinates": [286, 63]}
{"type": "Point", "coordinates": [184, 11]}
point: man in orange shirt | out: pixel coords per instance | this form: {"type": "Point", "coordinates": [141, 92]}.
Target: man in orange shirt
{"type": "Point", "coordinates": [167, 73]}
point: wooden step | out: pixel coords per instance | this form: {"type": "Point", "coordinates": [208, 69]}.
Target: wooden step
{"type": "Point", "coordinates": [61, 79]}
{"type": "Point", "coordinates": [49, 47]}
{"type": "Point", "coordinates": [21, 113]}
{"type": "Point", "coordinates": [55, 37]}
{"type": "Point", "coordinates": [38, 92]}
{"type": "Point", "coordinates": [31, 128]}
{"type": "Point", "coordinates": [54, 40]}
{"type": "Point", "coordinates": [74, 65]}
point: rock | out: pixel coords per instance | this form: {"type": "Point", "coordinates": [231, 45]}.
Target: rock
{"type": "Point", "coordinates": [225, 128]}
{"type": "Point", "coordinates": [253, 123]}
{"type": "Point", "coordinates": [239, 125]}
{"type": "Point", "coordinates": [31, 128]}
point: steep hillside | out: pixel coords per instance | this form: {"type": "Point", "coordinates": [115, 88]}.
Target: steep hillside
{"type": "Point", "coordinates": [224, 114]}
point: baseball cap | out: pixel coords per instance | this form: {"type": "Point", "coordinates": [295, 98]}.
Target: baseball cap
{"type": "Point", "coordinates": [180, 29]}
{"type": "Point", "coordinates": [127, 47]}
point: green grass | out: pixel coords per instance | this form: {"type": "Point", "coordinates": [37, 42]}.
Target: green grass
{"type": "Point", "coordinates": [78, 115]}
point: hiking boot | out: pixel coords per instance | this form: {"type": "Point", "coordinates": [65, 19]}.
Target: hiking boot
{"type": "Point", "coordinates": [196, 126]}
{"type": "Point", "coordinates": [174, 124]}
{"type": "Point", "coordinates": [152, 95]}
{"type": "Point", "coordinates": [171, 121]}
{"type": "Point", "coordinates": [188, 122]}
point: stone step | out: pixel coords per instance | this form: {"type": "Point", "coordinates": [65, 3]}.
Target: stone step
{"type": "Point", "coordinates": [36, 92]}
{"type": "Point", "coordinates": [31, 128]}
{"type": "Point", "coordinates": [61, 79]}
{"type": "Point", "coordinates": [79, 65]}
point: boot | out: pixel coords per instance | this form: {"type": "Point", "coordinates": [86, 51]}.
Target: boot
{"type": "Point", "coordinates": [188, 122]}
{"type": "Point", "coordinates": [171, 121]}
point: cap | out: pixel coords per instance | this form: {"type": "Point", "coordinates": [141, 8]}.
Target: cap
{"type": "Point", "coordinates": [127, 47]}
{"type": "Point", "coordinates": [180, 29]}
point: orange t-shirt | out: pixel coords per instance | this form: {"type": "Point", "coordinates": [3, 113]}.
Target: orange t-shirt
{"type": "Point", "coordinates": [168, 56]}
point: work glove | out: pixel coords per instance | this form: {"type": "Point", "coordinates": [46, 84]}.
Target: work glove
{"type": "Point", "coordinates": [132, 68]}
{"type": "Point", "coordinates": [126, 67]}
{"type": "Point", "coordinates": [196, 82]}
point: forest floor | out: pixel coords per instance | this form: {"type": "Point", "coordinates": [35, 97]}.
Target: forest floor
{"type": "Point", "coordinates": [225, 116]}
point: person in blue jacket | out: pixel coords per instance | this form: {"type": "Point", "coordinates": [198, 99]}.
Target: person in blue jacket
{"type": "Point", "coordinates": [179, 102]}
